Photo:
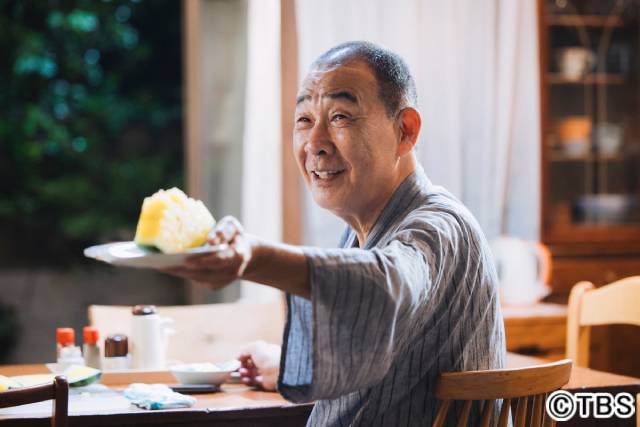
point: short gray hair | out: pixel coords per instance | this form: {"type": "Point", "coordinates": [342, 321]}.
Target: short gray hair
{"type": "Point", "coordinates": [396, 87]}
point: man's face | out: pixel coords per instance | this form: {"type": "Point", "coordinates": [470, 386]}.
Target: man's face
{"type": "Point", "coordinates": [344, 141]}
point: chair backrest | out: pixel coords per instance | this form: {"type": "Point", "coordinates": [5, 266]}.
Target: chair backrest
{"type": "Point", "coordinates": [513, 386]}
{"type": "Point", "coordinates": [203, 333]}
{"type": "Point", "coordinates": [58, 390]}
{"type": "Point", "coordinates": [616, 303]}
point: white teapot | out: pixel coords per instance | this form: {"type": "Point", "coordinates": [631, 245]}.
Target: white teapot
{"type": "Point", "coordinates": [524, 270]}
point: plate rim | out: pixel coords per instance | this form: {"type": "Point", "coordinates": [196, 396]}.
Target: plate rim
{"type": "Point", "coordinates": [102, 253]}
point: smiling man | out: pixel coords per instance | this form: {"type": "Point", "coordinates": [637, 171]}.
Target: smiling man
{"type": "Point", "coordinates": [411, 290]}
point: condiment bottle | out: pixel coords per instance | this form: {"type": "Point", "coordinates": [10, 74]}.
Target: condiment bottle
{"type": "Point", "coordinates": [68, 353]}
{"type": "Point", "coordinates": [116, 349]}
{"type": "Point", "coordinates": [65, 337]}
{"type": "Point", "coordinates": [90, 348]}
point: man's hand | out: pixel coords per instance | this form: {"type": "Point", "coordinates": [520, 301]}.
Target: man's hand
{"type": "Point", "coordinates": [245, 256]}
{"type": "Point", "coordinates": [219, 268]}
{"type": "Point", "coordinates": [260, 365]}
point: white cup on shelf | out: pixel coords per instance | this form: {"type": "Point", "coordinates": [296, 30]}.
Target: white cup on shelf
{"type": "Point", "coordinates": [575, 62]}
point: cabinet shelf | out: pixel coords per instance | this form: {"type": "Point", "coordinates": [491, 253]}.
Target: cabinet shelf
{"type": "Point", "coordinates": [589, 79]}
{"type": "Point", "coordinates": [583, 21]}
{"type": "Point", "coordinates": [561, 158]}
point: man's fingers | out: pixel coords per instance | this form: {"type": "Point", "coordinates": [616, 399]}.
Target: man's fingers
{"type": "Point", "coordinates": [248, 362]}
{"type": "Point", "coordinates": [233, 223]}
{"type": "Point", "coordinates": [225, 231]}
{"type": "Point", "coordinates": [213, 239]}
{"type": "Point", "coordinates": [248, 372]}
{"type": "Point", "coordinates": [259, 381]}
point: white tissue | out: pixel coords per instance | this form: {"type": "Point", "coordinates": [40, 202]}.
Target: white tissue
{"type": "Point", "coordinates": [157, 396]}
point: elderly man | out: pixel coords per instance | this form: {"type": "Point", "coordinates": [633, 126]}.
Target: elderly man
{"type": "Point", "coordinates": [411, 290]}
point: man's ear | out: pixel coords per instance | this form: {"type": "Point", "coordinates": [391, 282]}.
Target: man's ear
{"type": "Point", "coordinates": [409, 121]}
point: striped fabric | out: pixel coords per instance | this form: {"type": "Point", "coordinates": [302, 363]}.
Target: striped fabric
{"type": "Point", "coordinates": [419, 299]}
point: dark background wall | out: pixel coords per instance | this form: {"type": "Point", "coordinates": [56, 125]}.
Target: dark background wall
{"type": "Point", "coordinates": [90, 123]}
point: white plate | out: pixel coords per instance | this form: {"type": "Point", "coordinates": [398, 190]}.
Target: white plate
{"type": "Point", "coordinates": [129, 254]}
{"type": "Point", "coordinates": [204, 373]}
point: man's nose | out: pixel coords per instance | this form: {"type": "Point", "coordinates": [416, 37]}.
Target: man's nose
{"type": "Point", "coordinates": [320, 142]}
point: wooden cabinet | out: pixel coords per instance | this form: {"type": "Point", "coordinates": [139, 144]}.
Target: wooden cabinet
{"type": "Point", "coordinates": [590, 148]}
{"type": "Point", "coordinates": [590, 170]}
{"type": "Point", "coordinates": [568, 270]}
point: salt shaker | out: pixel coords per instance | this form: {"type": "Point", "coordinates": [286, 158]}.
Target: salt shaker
{"type": "Point", "coordinates": [149, 336]}
{"type": "Point", "coordinates": [68, 353]}
{"type": "Point", "coordinates": [65, 337]}
{"type": "Point", "coordinates": [90, 349]}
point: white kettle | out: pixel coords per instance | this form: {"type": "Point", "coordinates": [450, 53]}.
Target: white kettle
{"type": "Point", "coordinates": [524, 270]}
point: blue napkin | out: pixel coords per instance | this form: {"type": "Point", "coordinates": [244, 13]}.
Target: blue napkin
{"type": "Point", "coordinates": [157, 396]}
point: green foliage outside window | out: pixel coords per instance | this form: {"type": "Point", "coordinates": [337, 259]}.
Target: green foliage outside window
{"type": "Point", "coordinates": [90, 121]}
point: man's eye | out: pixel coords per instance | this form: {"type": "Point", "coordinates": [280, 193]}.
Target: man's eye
{"type": "Point", "coordinates": [303, 120]}
{"type": "Point", "coordinates": [338, 118]}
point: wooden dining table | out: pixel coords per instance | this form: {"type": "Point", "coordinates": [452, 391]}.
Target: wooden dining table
{"type": "Point", "coordinates": [239, 405]}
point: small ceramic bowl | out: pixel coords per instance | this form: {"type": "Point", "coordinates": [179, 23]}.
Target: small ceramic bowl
{"type": "Point", "coordinates": [204, 373]}
{"type": "Point", "coordinates": [576, 148]}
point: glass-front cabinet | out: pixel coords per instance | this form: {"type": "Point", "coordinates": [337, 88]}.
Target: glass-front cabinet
{"type": "Point", "coordinates": [590, 101]}
{"type": "Point", "coordinates": [590, 151]}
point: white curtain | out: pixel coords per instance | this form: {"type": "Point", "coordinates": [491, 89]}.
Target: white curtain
{"type": "Point", "coordinates": [215, 113]}
{"type": "Point", "coordinates": [262, 170]}
{"type": "Point", "coordinates": [476, 70]}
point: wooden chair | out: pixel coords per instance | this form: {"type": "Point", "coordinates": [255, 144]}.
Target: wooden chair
{"type": "Point", "coordinates": [510, 385]}
{"type": "Point", "coordinates": [205, 332]}
{"type": "Point", "coordinates": [616, 303]}
{"type": "Point", "coordinates": [58, 390]}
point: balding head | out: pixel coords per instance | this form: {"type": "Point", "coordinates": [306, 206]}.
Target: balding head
{"type": "Point", "coordinates": [396, 87]}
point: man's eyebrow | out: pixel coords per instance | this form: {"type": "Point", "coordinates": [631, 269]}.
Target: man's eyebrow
{"type": "Point", "coordinates": [300, 99]}
{"type": "Point", "coordinates": [332, 95]}
{"type": "Point", "coordinates": [343, 94]}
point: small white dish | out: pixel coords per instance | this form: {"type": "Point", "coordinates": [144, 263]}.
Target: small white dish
{"type": "Point", "coordinates": [129, 254]}
{"type": "Point", "coordinates": [204, 373]}
{"type": "Point", "coordinates": [576, 148]}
